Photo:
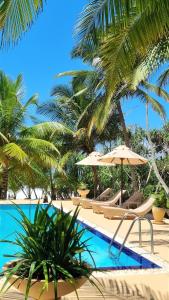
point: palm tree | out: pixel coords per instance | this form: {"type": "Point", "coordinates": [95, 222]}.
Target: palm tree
{"type": "Point", "coordinates": [16, 17]}
{"type": "Point", "coordinates": [20, 145]}
{"type": "Point", "coordinates": [128, 40]}
{"type": "Point", "coordinates": [103, 108]}
{"type": "Point", "coordinates": [143, 94]}
{"type": "Point", "coordinates": [73, 106]}
{"type": "Point", "coordinates": [128, 31]}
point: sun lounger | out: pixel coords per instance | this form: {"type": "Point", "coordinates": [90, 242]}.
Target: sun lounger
{"type": "Point", "coordinates": [104, 195]}
{"type": "Point", "coordinates": [134, 201]}
{"type": "Point", "coordinates": [87, 203]}
{"type": "Point", "coordinates": [142, 210]}
{"type": "Point", "coordinates": [97, 206]}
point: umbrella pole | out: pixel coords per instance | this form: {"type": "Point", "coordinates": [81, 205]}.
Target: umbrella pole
{"type": "Point", "coordinates": [121, 198]}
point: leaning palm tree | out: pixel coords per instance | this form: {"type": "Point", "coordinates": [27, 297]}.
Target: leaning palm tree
{"type": "Point", "coordinates": [16, 17]}
{"type": "Point", "coordinates": [21, 145]}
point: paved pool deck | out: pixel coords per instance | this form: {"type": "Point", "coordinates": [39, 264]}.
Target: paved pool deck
{"type": "Point", "coordinates": [156, 279]}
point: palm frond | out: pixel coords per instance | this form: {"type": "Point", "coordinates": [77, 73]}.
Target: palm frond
{"type": "Point", "coordinates": [31, 101]}
{"type": "Point", "coordinates": [126, 33]}
{"type": "Point", "coordinates": [157, 55]}
{"type": "Point", "coordinates": [99, 15]}
{"type": "Point", "coordinates": [100, 116]}
{"type": "Point", "coordinates": [62, 90]}
{"type": "Point", "coordinates": [46, 128]}
{"type": "Point", "coordinates": [73, 73]}
{"type": "Point", "coordinates": [15, 151]}
{"type": "Point", "coordinates": [86, 51]}
{"type": "Point", "coordinates": [3, 138]}
{"type": "Point", "coordinates": [84, 116]}
{"type": "Point", "coordinates": [157, 90]}
{"type": "Point", "coordinates": [156, 106]}
{"type": "Point", "coordinates": [164, 78]}
{"type": "Point", "coordinates": [38, 145]}
{"type": "Point", "coordinates": [16, 17]}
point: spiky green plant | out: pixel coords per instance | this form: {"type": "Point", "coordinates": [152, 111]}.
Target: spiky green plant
{"type": "Point", "coordinates": [51, 248]}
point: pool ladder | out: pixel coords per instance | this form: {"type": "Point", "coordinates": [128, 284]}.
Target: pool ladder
{"type": "Point", "coordinates": [137, 219]}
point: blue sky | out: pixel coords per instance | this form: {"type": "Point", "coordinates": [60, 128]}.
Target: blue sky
{"type": "Point", "coordinates": [45, 50]}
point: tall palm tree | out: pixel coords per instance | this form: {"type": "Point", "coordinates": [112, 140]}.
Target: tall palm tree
{"type": "Point", "coordinates": [16, 17]}
{"type": "Point", "coordinates": [73, 106]}
{"type": "Point", "coordinates": [20, 145]}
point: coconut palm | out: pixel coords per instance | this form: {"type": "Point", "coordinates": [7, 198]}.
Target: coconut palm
{"type": "Point", "coordinates": [103, 108]}
{"type": "Point", "coordinates": [128, 30]}
{"type": "Point", "coordinates": [20, 145]}
{"type": "Point", "coordinates": [16, 17]}
{"type": "Point", "coordinates": [73, 106]}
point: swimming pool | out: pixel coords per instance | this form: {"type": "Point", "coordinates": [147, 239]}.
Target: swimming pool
{"type": "Point", "coordinates": [98, 243]}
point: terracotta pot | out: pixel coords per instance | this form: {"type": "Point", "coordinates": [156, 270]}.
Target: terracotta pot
{"type": "Point", "coordinates": [158, 214]}
{"type": "Point", "coordinates": [83, 193]}
{"type": "Point", "coordinates": [63, 287]}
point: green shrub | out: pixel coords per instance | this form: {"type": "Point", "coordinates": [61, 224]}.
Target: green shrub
{"type": "Point", "coordinates": [149, 190]}
{"type": "Point", "coordinates": [161, 199]}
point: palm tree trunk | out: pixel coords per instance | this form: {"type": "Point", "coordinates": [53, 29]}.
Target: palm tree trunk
{"type": "Point", "coordinates": [36, 196]}
{"type": "Point", "coordinates": [94, 168]}
{"type": "Point", "coordinates": [154, 165]}
{"type": "Point", "coordinates": [127, 142]}
{"type": "Point", "coordinates": [29, 192]}
{"type": "Point", "coordinates": [95, 180]}
{"type": "Point", "coordinates": [53, 191]}
{"type": "Point", "coordinates": [4, 184]}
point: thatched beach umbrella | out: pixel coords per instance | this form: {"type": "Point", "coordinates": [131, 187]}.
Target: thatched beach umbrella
{"type": "Point", "coordinates": [93, 160]}
{"type": "Point", "coordinates": [122, 155]}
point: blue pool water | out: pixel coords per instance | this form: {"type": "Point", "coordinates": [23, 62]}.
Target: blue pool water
{"type": "Point", "coordinates": [98, 243]}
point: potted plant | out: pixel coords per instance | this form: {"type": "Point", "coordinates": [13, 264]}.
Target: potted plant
{"type": "Point", "coordinates": [159, 207]}
{"type": "Point", "coordinates": [83, 190]}
{"type": "Point", "coordinates": [50, 261]}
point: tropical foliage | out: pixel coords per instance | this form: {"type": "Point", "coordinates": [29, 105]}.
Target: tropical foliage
{"type": "Point", "coordinates": [73, 106]}
{"type": "Point", "coordinates": [21, 148]}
